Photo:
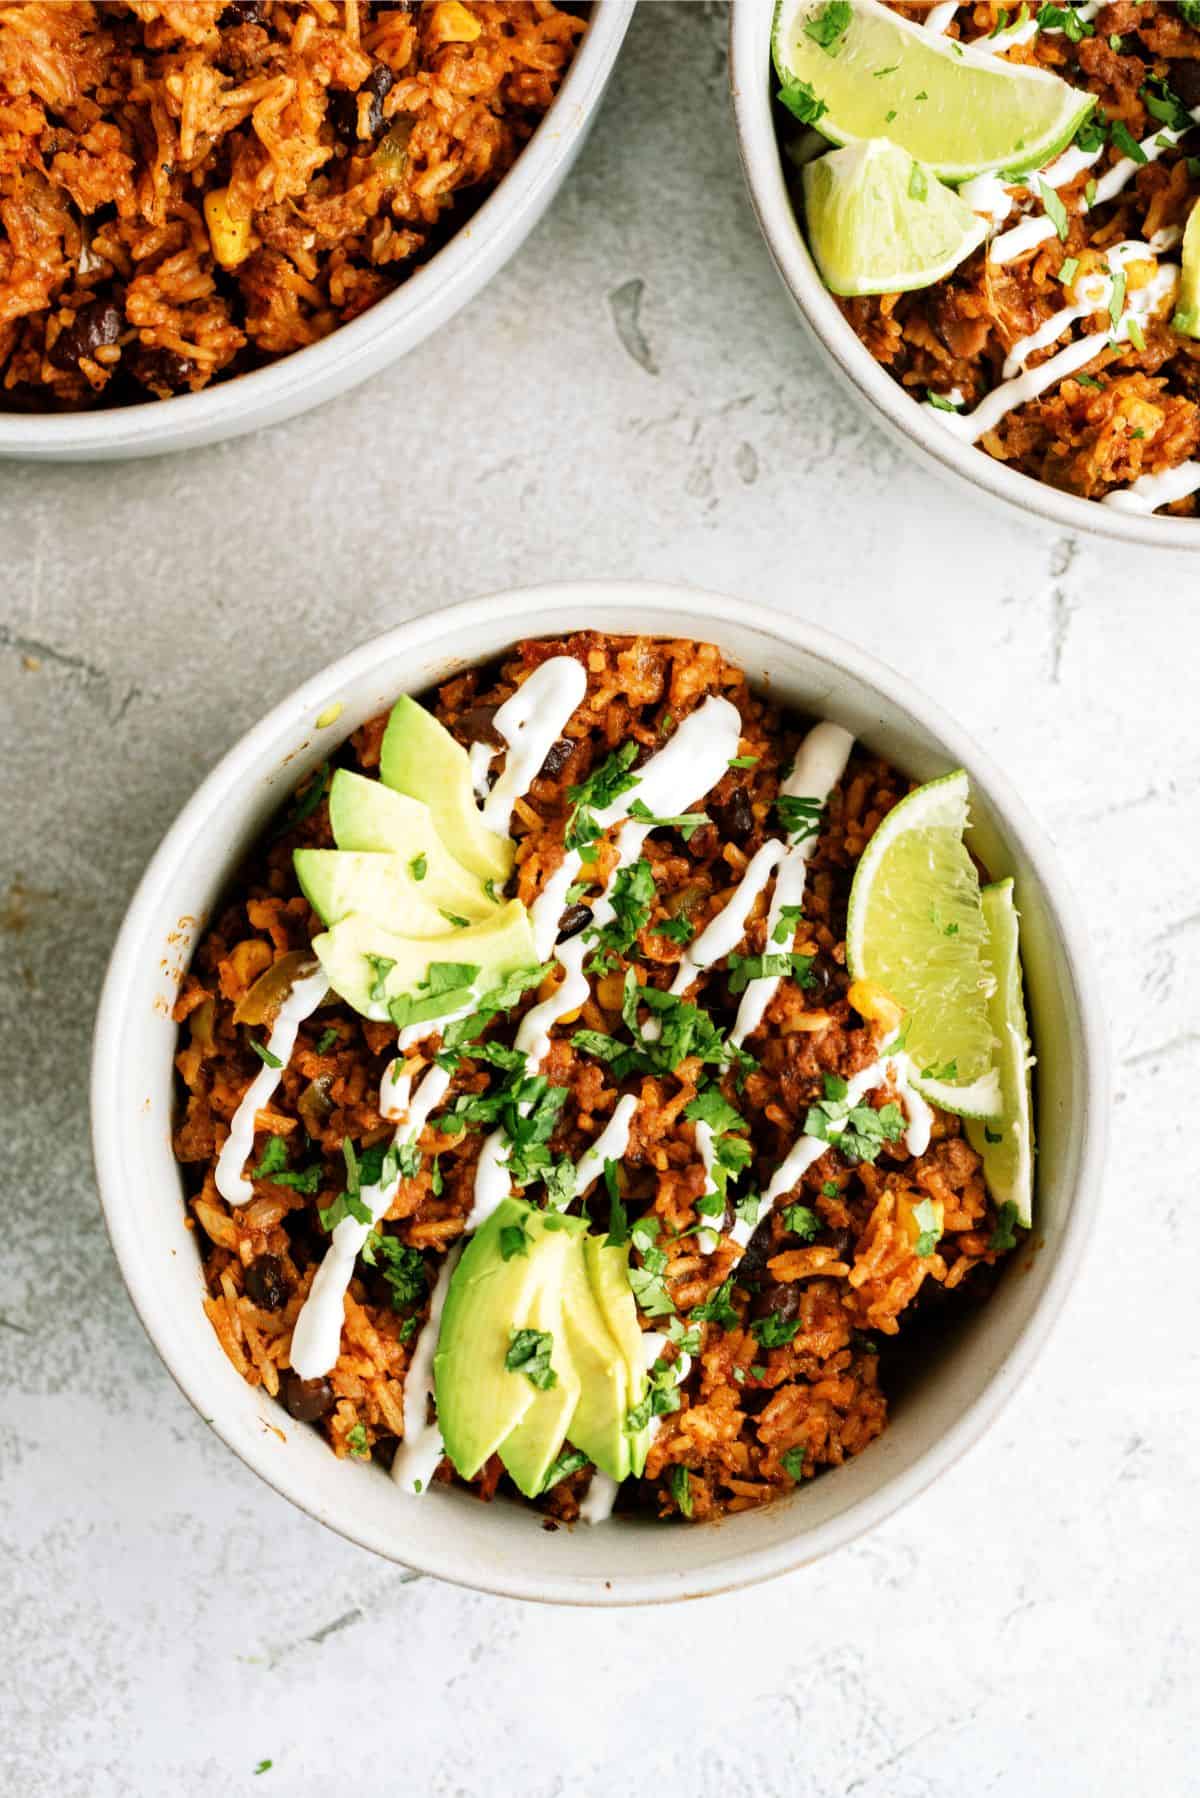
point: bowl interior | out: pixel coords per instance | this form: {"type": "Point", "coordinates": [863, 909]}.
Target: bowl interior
{"type": "Point", "coordinates": [394, 325]}
{"type": "Point", "coordinates": [753, 83]}
{"type": "Point", "coordinates": [503, 1547]}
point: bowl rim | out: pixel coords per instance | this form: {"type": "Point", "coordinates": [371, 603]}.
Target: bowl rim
{"type": "Point", "coordinates": [542, 609]}
{"type": "Point", "coordinates": [762, 167]}
{"type": "Point", "coordinates": [410, 312]}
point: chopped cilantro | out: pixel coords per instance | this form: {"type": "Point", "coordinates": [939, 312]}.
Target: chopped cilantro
{"type": "Point", "coordinates": [744, 761]}
{"type": "Point", "coordinates": [792, 1463]}
{"type": "Point", "coordinates": [447, 986]}
{"type": "Point", "coordinates": [418, 867]}
{"type": "Point", "coordinates": [676, 930]}
{"type": "Point", "coordinates": [940, 402]}
{"type": "Point", "coordinates": [1126, 142]}
{"type": "Point", "coordinates": [618, 1221]}
{"type": "Point", "coordinates": [264, 1054]}
{"type": "Point", "coordinates": [326, 1040]}
{"type": "Point", "coordinates": [631, 898]}
{"type": "Point", "coordinates": [1117, 298]}
{"type": "Point", "coordinates": [859, 1131]}
{"type": "Point", "coordinates": [264, 1766]}
{"type": "Point", "coordinates": [1069, 270]}
{"type": "Point", "coordinates": [1004, 1236]}
{"type": "Point", "coordinates": [925, 1216]}
{"type": "Point", "coordinates": [802, 102]}
{"type": "Point", "coordinates": [570, 1461]}
{"type": "Point", "coordinates": [800, 817]}
{"type": "Point", "coordinates": [514, 1240]}
{"type": "Point", "coordinates": [745, 968]}
{"type": "Point", "coordinates": [1056, 212]}
{"type": "Point", "coordinates": [785, 929]}
{"type": "Point", "coordinates": [718, 1308]}
{"type": "Point", "coordinates": [403, 1268]}
{"type": "Point", "coordinates": [773, 1331]}
{"type": "Point", "coordinates": [801, 1221]}
{"type": "Point", "coordinates": [529, 1353]}
{"type": "Point", "coordinates": [603, 786]}
{"type": "Point", "coordinates": [356, 1442]}
{"type": "Point", "coordinates": [828, 25]}
{"type": "Point", "coordinates": [680, 1482]}
{"type": "Point", "coordinates": [1066, 19]}
{"type": "Point", "coordinates": [686, 823]}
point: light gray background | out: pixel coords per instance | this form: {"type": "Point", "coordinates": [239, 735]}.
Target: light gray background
{"type": "Point", "coordinates": [1028, 1626]}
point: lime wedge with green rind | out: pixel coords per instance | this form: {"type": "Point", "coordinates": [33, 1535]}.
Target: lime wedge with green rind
{"type": "Point", "coordinates": [878, 222]}
{"type": "Point", "coordinates": [1187, 311]}
{"type": "Point", "coordinates": [916, 928]}
{"type": "Point", "coordinates": [1006, 1142]}
{"type": "Point", "coordinates": [855, 70]}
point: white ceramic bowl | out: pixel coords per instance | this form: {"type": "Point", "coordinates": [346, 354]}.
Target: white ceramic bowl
{"type": "Point", "coordinates": [386, 331]}
{"type": "Point", "coordinates": [752, 82]}
{"type": "Point", "coordinates": [502, 1547]}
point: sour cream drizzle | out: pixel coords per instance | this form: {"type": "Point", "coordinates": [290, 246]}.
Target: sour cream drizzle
{"type": "Point", "coordinates": [1096, 294]}
{"type": "Point", "coordinates": [530, 721]}
{"type": "Point", "coordinates": [301, 1002]}
{"type": "Point", "coordinates": [1150, 491]}
{"type": "Point", "coordinates": [820, 763]}
{"type": "Point", "coordinates": [807, 1149]}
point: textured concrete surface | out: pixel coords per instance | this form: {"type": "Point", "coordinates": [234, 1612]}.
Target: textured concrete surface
{"type": "Point", "coordinates": [631, 397]}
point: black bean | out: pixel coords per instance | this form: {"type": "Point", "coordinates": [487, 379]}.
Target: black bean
{"type": "Point", "coordinates": [343, 107]}
{"type": "Point", "coordinates": [306, 1400]}
{"type": "Point", "coordinates": [573, 921]}
{"type": "Point", "coordinates": [266, 1283]}
{"type": "Point", "coordinates": [97, 323]}
{"type": "Point", "coordinates": [735, 815]}
{"type": "Point", "coordinates": [163, 371]}
{"type": "Point", "coordinates": [557, 757]}
{"type": "Point", "coordinates": [824, 976]}
{"type": "Point", "coordinates": [841, 1242]}
{"type": "Point", "coordinates": [777, 1300]}
{"type": "Point", "coordinates": [1183, 78]}
{"type": "Point", "coordinates": [243, 12]}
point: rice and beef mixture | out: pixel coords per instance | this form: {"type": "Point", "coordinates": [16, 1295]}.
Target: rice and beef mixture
{"type": "Point", "coordinates": [191, 188]}
{"type": "Point", "coordinates": [792, 1338]}
{"type": "Point", "coordinates": [1135, 409]}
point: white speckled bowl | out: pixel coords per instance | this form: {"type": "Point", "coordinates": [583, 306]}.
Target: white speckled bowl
{"type": "Point", "coordinates": [502, 1547]}
{"type": "Point", "coordinates": [752, 83]}
{"type": "Point", "coordinates": [380, 335]}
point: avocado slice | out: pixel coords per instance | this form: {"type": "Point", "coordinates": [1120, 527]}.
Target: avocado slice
{"type": "Point", "coordinates": [418, 756]}
{"type": "Point", "coordinates": [337, 882]}
{"type": "Point", "coordinates": [366, 815]}
{"type": "Point", "coordinates": [608, 1274]}
{"type": "Point", "coordinates": [494, 947]}
{"type": "Point", "coordinates": [531, 1446]}
{"type": "Point", "coordinates": [478, 1400]}
{"type": "Point", "coordinates": [598, 1424]}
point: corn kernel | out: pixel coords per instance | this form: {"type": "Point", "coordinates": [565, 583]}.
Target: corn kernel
{"type": "Point", "coordinates": [871, 1002]}
{"type": "Point", "coordinates": [611, 991]}
{"type": "Point", "coordinates": [1139, 273]}
{"type": "Point", "coordinates": [453, 24]}
{"type": "Point", "coordinates": [228, 233]}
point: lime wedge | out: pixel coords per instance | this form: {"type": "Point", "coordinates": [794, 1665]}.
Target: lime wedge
{"type": "Point", "coordinates": [1006, 1142]}
{"type": "Point", "coordinates": [916, 928]}
{"type": "Point", "coordinates": [880, 223]}
{"type": "Point", "coordinates": [1187, 313]}
{"type": "Point", "coordinates": [854, 69]}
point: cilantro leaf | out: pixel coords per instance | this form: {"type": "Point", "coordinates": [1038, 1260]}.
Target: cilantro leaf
{"type": "Point", "coordinates": [529, 1353]}
{"type": "Point", "coordinates": [1004, 1236]}
{"type": "Point", "coordinates": [680, 1482]}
